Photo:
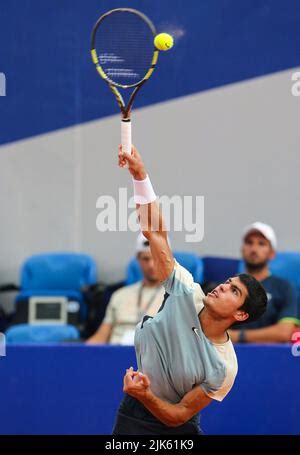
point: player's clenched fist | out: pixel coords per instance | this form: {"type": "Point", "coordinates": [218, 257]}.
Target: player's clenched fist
{"type": "Point", "coordinates": [136, 384]}
{"type": "Point", "coordinates": [134, 162]}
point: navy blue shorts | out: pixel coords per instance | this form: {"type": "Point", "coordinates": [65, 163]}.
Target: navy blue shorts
{"type": "Point", "coordinates": [134, 419]}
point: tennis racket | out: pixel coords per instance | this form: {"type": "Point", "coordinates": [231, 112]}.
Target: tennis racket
{"type": "Point", "coordinates": [122, 49]}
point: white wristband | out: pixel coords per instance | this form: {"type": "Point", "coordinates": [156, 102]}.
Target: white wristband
{"type": "Point", "coordinates": [143, 191]}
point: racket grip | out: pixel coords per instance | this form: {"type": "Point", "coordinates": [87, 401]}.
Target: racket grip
{"type": "Point", "coordinates": [126, 135]}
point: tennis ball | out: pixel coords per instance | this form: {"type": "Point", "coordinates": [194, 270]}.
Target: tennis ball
{"type": "Point", "coordinates": [163, 41]}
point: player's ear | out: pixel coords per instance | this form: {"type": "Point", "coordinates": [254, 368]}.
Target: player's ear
{"type": "Point", "coordinates": [241, 316]}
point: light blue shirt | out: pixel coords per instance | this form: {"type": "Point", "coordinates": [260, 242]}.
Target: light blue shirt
{"type": "Point", "coordinates": [173, 351]}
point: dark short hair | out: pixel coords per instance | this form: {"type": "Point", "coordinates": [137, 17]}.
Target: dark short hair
{"type": "Point", "coordinates": [255, 303]}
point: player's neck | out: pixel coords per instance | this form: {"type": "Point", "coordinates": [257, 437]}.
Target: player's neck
{"type": "Point", "coordinates": [261, 274]}
{"type": "Point", "coordinates": [214, 330]}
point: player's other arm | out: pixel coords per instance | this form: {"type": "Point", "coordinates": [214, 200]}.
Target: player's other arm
{"type": "Point", "coordinates": [150, 216]}
{"type": "Point", "coordinates": [173, 415]}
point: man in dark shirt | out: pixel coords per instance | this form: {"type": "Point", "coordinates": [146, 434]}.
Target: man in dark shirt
{"type": "Point", "coordinates": [279, 321]}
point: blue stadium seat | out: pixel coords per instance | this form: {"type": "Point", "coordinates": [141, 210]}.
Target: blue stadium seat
{"type": "Point", "coordinates": [218, 269]}
{"type": "Point", "coordinates": [190, 261]}
{"type": "Point", "coordinates": [52, 274]}
{"type": "Point", "coordinates": [26, 333]}
{"type": "Point", "coordinates": [287, 265]}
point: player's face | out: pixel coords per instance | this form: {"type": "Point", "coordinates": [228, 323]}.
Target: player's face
{"type": "Point", "coordinates": [225, 300]}
{"type": "Point", "coordinates": [147, 265]}
{"type": "Point", "coordinates": [256, 250]}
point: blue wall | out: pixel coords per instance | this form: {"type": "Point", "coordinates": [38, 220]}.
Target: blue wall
{"type": "Point", "coordinates": [75, 389]}
{"type": "Point", "coordinates": [52, 84]}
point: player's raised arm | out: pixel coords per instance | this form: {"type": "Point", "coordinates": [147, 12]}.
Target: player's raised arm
{"type": "Point", "coordinates": [150, 217]}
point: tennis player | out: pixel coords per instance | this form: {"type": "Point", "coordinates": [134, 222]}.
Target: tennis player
{"type": "Point", "coordinates": [184, 354]}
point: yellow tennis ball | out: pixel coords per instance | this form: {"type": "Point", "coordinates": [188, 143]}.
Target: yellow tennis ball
{"type": "Point", "coordinates": [163, 41]}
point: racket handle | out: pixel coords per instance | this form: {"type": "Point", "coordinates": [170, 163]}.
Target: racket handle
{"type": "Point", "coordinates": [126, 135]}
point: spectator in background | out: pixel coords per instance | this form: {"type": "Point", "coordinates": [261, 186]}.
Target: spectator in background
{"type": "Point", "coordinates": [279, 321]}
{"type": "Point", "coordinates": [129, 304]}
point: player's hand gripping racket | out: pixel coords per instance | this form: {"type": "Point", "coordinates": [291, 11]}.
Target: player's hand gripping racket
{"type": "Point", "coordinates": [125, 57]}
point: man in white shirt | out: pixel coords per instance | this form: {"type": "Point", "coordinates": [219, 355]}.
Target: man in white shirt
{"type": "Point", "coordinates": [129, 304]}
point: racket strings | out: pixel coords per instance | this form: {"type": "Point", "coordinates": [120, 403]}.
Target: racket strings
{"type": "Point", "coordinates": [124, 46]}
